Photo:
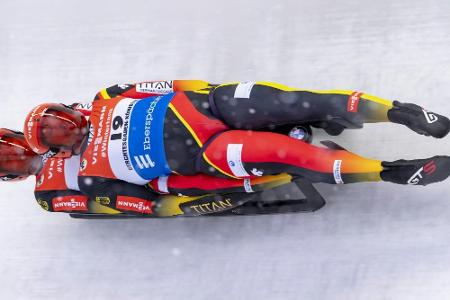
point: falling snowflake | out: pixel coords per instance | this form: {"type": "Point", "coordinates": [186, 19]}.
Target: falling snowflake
{"type": "Point", "coordinates": [176, 252]}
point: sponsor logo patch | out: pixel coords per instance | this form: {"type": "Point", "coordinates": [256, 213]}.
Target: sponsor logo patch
{"type": "Point", "coordinates": [337, 171]}
{"type": "Point", "coordinates": [213, 206]}
{"type": "Point", "coordinates": [353, 102]}
{"type": "Point", "coordinates": [43, 204]}
{"type": "Point", "coordinates": [70, 203]}
{"type": "Point", "coordinates": [248, 186]}
{"type": "Point", "coordinates": [55, 166]}
{"type": "Point", "coordinates": [415, 179]}
{"type": "Point", "coordinates": [297, 133]}
{"type": "Point", "coordinates": [428, 169]}
{"type": "Point", "coordinates": [47, 156]}
{"type": "Point", "coordinates": [30, 123]}
{"type": "Point", "coordinates": [155, 87]}
{"type": "Point", "coordinates": [257, 172]}
{"type": "Point", "coordinates": [84, 108]}
{"type": "Point", "coordinates": [144, 161]}
{"type": "Point", "coordinates": [134, 204]}
{"type": "Point", "coordinates": [103, 200]}
{"type": "Point", "coordinates": [429, 116]}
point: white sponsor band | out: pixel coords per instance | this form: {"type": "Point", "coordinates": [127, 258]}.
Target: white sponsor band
{"type": "Point", "coordinates": [118, 149]}
{"type": "Point", "coordinates": [337, 171]}
{"type": "Point", "coordinates": [248, 186]}
{"type": "Point", "coordinates": [162, 184]}
{"type": "Point", "coordinates": [71, 167]}
{"type": "Point", "coordinates": [244, 89]}
{"type": "Point", "coordinates": [234, 159]}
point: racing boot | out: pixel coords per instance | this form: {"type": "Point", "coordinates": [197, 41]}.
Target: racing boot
{"type": "Point", "coordinates": [419, 119]}
{"type": "Point", "coordinates": [418, 171]}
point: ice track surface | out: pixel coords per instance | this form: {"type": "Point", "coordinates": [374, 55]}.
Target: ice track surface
{"type": "Point", "coordinates": [372, 241]}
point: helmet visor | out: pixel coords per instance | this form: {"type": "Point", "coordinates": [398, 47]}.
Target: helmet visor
{"type": "Point", "coordinates": [62, 128]}
{"type": "Point", "coordinates": [16, 157]}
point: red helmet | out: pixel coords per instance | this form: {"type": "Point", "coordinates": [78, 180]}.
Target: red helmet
{"type": "Point", "coordinates": [17, 160]}
{"type": "Point", "coordinates": [56, 127]}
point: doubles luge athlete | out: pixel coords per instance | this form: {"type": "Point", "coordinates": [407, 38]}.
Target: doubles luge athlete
{"type": "Point", "coordinates": [57, 190]}
{"type": "Point", "coordinates": [224, 131]}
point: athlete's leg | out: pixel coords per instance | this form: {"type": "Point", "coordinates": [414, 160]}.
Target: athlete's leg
{"type": "Point", "coordinates": [221, 196]}
{"type": "Point", "coordinates": [201, 184]}
{"type": "Point", "coordinates": [188, 124]}
{"type": "Point", "coordinates": [262, 105]}
{"type": "Point", "coordinates": [242, 154]}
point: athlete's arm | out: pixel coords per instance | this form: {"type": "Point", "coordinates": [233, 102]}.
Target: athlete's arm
{"type": "Point", "coordinates": [152, 88]}
{"type": "Point", "coordinates": [201, 184]}
{"type": "Point", "coordinates": [118, 195]}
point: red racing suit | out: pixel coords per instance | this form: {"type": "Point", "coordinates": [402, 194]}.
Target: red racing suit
{"type": "Point", "coordinates": [203, 130]}
{"type": "Point", "coordinates": [206, 133]}
{"type": "Point", "coordinates": [57, 190]}
{"type": "Point", "coordinates": [57, 186]}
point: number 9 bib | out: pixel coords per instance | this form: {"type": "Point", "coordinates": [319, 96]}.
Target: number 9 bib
{"type": "Point", "coordinates": [127, 141]}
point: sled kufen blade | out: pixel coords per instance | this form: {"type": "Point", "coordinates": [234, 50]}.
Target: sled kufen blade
{"type": "Point", "coordinates": [312, 202]}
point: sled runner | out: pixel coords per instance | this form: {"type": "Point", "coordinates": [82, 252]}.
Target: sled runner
{"type": "Point", "coordinates": [311, 202]}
